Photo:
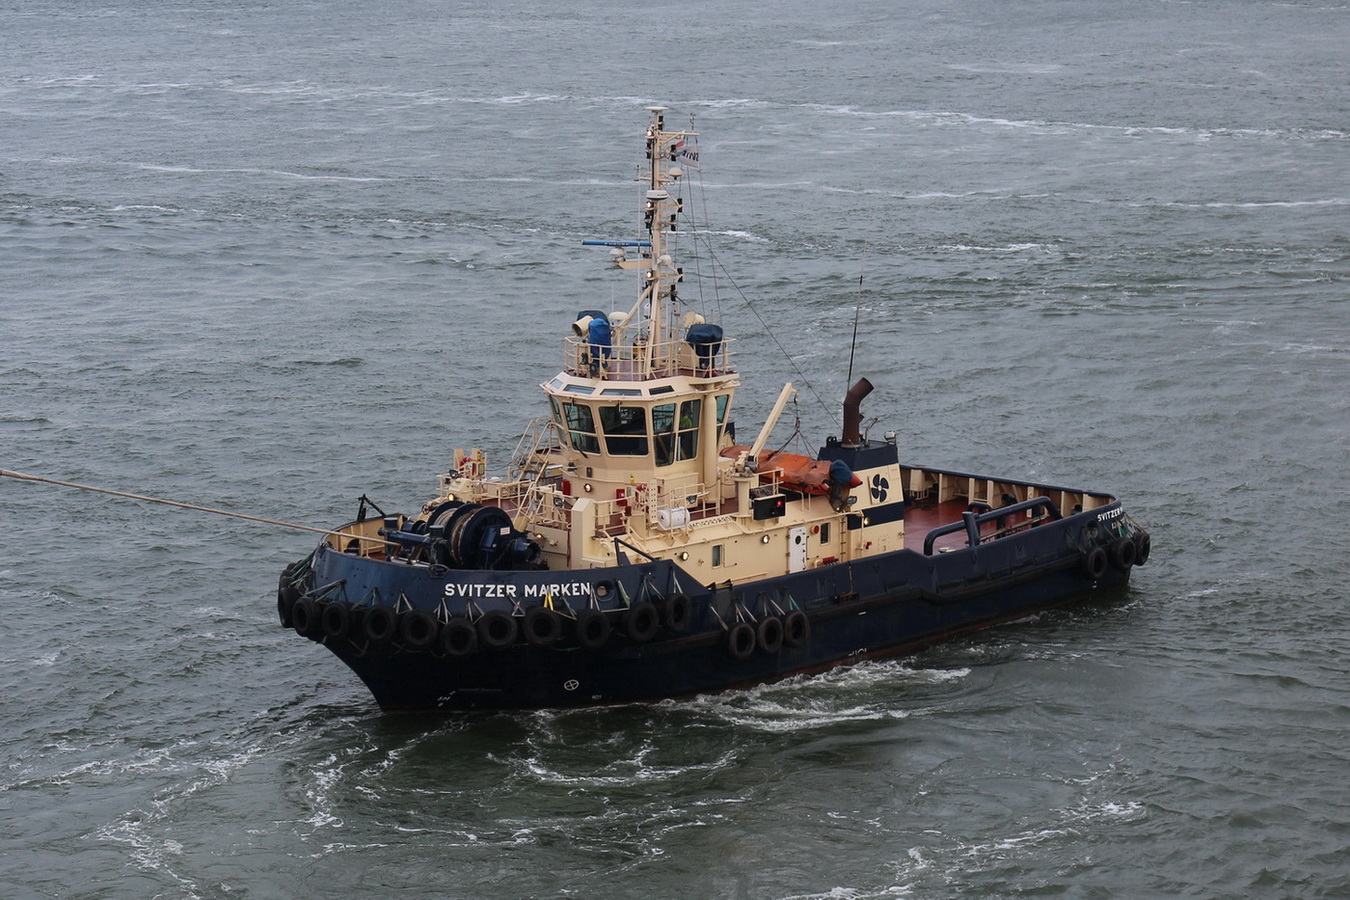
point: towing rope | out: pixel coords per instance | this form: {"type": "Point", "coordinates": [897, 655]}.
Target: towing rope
{"type": "Point", "coordinates": [206, 509]}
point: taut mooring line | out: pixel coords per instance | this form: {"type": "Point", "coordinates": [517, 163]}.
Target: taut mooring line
{"type": "Point", "coordinates": [206, 509]}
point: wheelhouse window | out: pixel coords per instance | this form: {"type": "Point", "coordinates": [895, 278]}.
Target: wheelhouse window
{"type": "Point", "coordinates": [723, 401]}
{"type": "Point", "coordinates": [625, 430]}
{"type": "Point", "coordinates": [676, 436]}
{"type": "Point", "coordinates": [688, 433]}
{"type": "Point", "coordinates": [663, 429]}
{"type": "Point", "coordinates": [580, 425]}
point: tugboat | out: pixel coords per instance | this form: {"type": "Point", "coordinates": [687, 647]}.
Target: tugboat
{"type": "Point", "coordinates": [635, 551]}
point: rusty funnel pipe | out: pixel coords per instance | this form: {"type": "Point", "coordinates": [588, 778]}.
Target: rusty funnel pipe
{"type": "Point", "coordinates": [852, 436]}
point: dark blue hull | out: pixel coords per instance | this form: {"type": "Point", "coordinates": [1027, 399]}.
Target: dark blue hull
{"type": "Point", "coordinates": [425, 637]}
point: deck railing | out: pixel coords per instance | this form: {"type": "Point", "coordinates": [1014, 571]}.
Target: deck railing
{"type": "Point", "coordinates": [641, 361]}
{"type": "Point", "coordinates": [971, 522]}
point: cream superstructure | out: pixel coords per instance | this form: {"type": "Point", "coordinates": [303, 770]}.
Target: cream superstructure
{"type": "Point", "coordinates": [630, 459]}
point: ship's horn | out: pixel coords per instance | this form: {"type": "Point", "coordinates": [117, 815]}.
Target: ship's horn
{"type": "Point", "coordinates": [852, 436]}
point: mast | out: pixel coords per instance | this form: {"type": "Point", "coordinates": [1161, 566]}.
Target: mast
{"type": "Point", "coordinates": [660, 212]}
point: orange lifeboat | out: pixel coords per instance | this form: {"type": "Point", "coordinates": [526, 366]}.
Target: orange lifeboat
{"type": "Point", "coordinates": [795, 472]}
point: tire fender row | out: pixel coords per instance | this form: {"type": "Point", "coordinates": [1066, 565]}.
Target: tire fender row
{"type": "Point", "coordinates": [1123, 554]}
{"type": "Point", "coordinates": [769, 633]}
{"type": "Point", "coordinates": [381, 625]}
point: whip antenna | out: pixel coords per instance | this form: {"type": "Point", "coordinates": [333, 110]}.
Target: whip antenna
{"type": "Point", "coordinates": [857, 305]}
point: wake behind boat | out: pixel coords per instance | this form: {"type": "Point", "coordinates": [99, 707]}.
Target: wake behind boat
{"type": "Point", "coordinates": [635, 551]}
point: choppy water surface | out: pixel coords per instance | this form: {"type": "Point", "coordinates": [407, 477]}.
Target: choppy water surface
{"type": "Point", "coordinates": [270, 256]}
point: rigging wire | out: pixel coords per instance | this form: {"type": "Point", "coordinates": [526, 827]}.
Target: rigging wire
{"type": "Point", "coordinates": [7, 473]}
{"type": "Point", "coordinates": [701, 187]}
{"type": "Point", "coordinates": [797, 434]}
{"type": "Point", "coordinates": [701, 228]}
{"type": "Point", "coordinates": [829, 411]}
{"type": "Point", "coordinates": [703, 236]}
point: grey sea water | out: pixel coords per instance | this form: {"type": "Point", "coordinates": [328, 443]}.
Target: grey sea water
{"type": "Point", "coordinates": [269, 256]}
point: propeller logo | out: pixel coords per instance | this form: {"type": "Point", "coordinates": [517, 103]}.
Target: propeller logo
{"type": "Point", "coordinates": [879, 487]}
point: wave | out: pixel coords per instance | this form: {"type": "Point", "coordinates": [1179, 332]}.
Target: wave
{"type": "Point", "coordinates": [1262, 204]}
{"type": "Point", "coordinates": [636, 770]}
{"type": "Point", "coordinates": [825, 700]}
{"type": "Point", "coordinates": [143, 207]}
{"type": "Point", "coordinates": [300, 176]}
{"type": "Point", "coordinates": [1007, 68]}
{"type": "Point", "coordinates": [1022, 247]}
{"type": "Point", "coordinates": [344, 362]}
{"type": "Point", "coordinates": [941, 116]}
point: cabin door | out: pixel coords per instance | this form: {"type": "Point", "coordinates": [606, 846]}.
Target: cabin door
{"type": "Point", "coordinates": [797, 549]}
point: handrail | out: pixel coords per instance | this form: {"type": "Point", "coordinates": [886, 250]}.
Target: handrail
{"type": "Point", "coordinates": [971, 521]}
{"type": "Point", "coordinates": [642, 361]}
{"type": "Point", "coordinates": [527, 466]}
{"type": "Point", "coordinates": [621, 541]}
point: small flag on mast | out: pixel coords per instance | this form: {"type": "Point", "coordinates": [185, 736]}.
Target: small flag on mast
{"type": "Point", "coordinates": [686, 153]}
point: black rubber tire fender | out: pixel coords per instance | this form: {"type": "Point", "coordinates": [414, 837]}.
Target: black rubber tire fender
{"type": "Point", "coordinates": [1095, 563]}
{"type": "Point", "coordinates": [592, 628]}
{"type": "Point", "coordinates": [641, 622]}
{"type": "Point", "coordinates": [741, 640]}
{"type": "Point", "coordinates": [1123, 554]}
{"type": "Point", "coordinates": [336, 619]}
{"type": "Point", "coordinates": [542, 626]}
{"type": "Point", "coordinates": [676, 613]}
{"type": "Point", "coordinates": [796, 628]}
{"type": "Point", "coordinates": [458, 637]}
{"type": "Point", "coordinates": [284, 608]}
{"type": "Point", "coordinates": [497, 628]}
{"type": "Point", "coordinates": [379, 624]}
{"type": "Point", "coordinates": [418, 629]}
{"type": "Point", "coordinates": [769, 634]}
{"type": "Point", "coordinates": [305, 619]}
{"type": "Point", "coordinates": [287, 594]}
{"type": "Point", "coordinates": [1143, 545]}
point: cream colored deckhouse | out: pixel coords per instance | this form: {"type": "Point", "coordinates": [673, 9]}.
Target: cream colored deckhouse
{"type": "Point", "coordinates": [637, 446]}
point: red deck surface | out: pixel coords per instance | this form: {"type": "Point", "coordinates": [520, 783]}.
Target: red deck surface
{"type": "Point", "coordinates": [919, 520]}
